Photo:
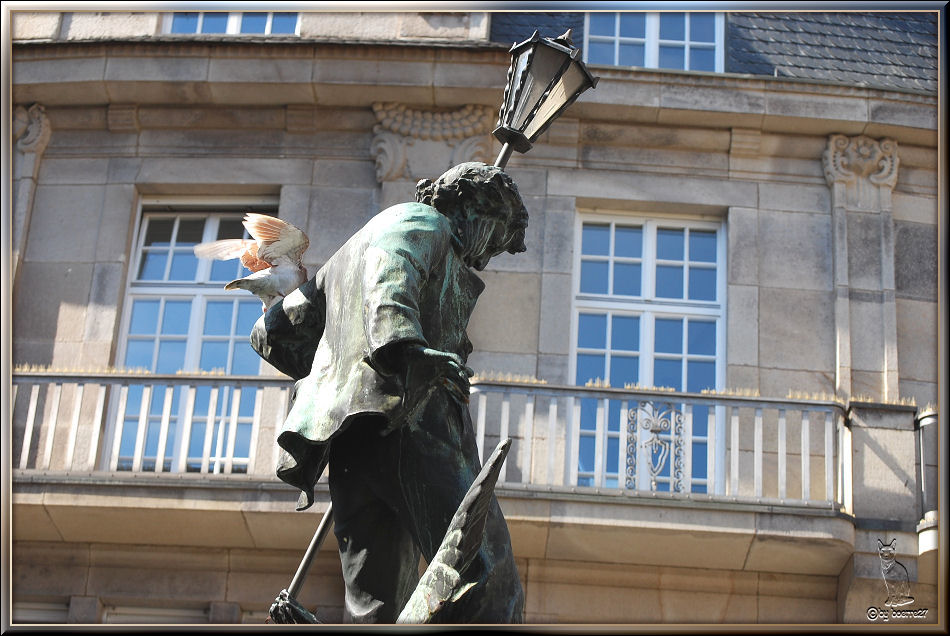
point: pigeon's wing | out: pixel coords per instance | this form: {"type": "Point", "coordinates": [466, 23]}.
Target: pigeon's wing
{"type": "Point", "coordinates": [251, 260]}
{"type": "Point", "coordinates": [224, 249]}
{"type": "Point", "coordinates": [276, 237]}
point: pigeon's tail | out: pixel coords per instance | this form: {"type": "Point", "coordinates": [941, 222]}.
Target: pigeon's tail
{"type": "Point", "coordinates": [441, 583]}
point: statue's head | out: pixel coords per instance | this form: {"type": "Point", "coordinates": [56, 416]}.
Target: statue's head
{"type": "Point", "coordinates": [484, 206]}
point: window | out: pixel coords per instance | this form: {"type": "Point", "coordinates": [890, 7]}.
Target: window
{"type": "Point", "coordinates": [178, 317]}
{"type": "Point", "coordinates": [672, 40]}
{"type": "Point", "coordinates": [648, 311]}
{"type": "Point", "coordinates": [221, 22]}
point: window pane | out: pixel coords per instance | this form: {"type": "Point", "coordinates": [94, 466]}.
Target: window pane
{"type": "Point", "coordinates": [668, 335]}
{"type": "Point", "coordinates": [214, 355]}
{"type": "Point", "coordinates": [589, 367]}
{"type": "Point", "coordinates": [184, 266]}
{"type": "Point", "coordinates": [585, 459]}
{"type": "Point", "coordinates": [700, 420]}
{"type": "Point", "coordinates": [246, 407]}
{"type": "Point", "coordinates": [600, 53]}
{"type": "Point", "coordinates": [595, 240]}
{"type": "Point", "coordinates": [144, 317]}
{"type": "Point", "coordinates": [255, 22]}
{"type": "Point", "coordinates": [153, 266]}
{"type": "Point", "coordinates": [185, 23]}
{"type": "Point", "coordinates": [702, 338]}
{"type": "Point", "coordinates": [246, 361]}
{"type": "Point", "coordinates": [613, 454]}
{"type": "Point", "coordinates": [594, 277]}
{"type": "Point", "coordinates": [702, 59]}
{"type": "Point", "coordinates": [214, 23]}
{"type": "Point", "coordinates": [230, 228]}
{"type": "Point", "coordinates": [218, 318]}
{"type": "Point", "coordinates": [625, 333]}
{"type": "Point", "coordinates": [175, 318]}
{"type": "Point", "coordinates": [592, 331]}
{"type": "Point", "coordinates": [702, 27]}
{"type": "Point", "coordinates": [628, 241]}
{"type": "Point", "coordinates": [668, 373]}
{"type": "Point", "coordinates": [669, 281]}
{"type": "Point", "coordinates": [284, 23]}
{"type": "Point", "coordinates": [669, 244]}
{"type": "Point", "coordinates": [588, 414]}
{"type": "Point", "coordinates": [248, 313]}
{"type": "Point", "coordinates": [700, 374]}
{"type": "Point", "coordinates": [614, 416]}
{"type": "Point", "coordinates": [624, 370]}
{"type": "Point", "coordinates": [699, 461]}
{"type": "Point", "coordinates": [159, 232]}
{"type": "Point", "coordinates": [138, 354]}
{"type": "Point", "coordinates": [702, 284]}
{"type": "Point", "coordinates": [171, 356]}
{"type": "Point", "coordinates": [190, 232]}
{"type": "Point", "coordinates": [633, 25]}
{"type": "Point", "coordinates": [226, 271]}
{"type": "Point", "coordinates": [631, 55]}
{"type": "Point", "coordinates": [627, 279]}
{"type": "Point", "coordinates": [702, 246]}
{"type": "Point", "coordinates": [603, 23]}
{"type": "Point", "coordinates": [672, 26]}
{"type": "Point", "coordinates": [672, 57]}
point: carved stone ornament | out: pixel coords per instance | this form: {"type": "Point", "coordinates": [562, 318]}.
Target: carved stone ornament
{"type": "Point", "coordinates": [862, 164]}
{"type": "Point", "coordinates": [31, 128]}
{"type": "Point", "coordinates": [412, 143]}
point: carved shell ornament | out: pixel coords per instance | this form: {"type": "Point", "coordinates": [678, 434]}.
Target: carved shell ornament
{"type": "Point", "coordinates": [468, 121]}
{"type": "Point", "coordinates": [849, 158]}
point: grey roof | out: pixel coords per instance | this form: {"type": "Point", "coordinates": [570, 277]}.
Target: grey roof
{"type": "Point", "coordinates": [885, 50]}
{"type": "Point", "coordinates": [892, 50]}
{"type": "Point", "coordinates": [509, 28]}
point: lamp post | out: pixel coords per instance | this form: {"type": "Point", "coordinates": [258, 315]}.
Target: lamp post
{"type": "Point", "coordinates": [545, 77]}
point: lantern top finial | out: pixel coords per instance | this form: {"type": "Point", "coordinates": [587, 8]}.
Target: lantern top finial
{"type": "Point", "coordinates": [566, 38]}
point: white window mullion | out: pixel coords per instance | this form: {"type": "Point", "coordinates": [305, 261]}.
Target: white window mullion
{"type": "Point", "coordinates": [651, 53]}
{"type": "Point", "coordinates": [720, 39]}
{"type": "Point", "coordinates": [234, 22]}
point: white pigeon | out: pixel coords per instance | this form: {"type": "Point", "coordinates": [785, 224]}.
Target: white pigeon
{"type": "Point", "coordinates": [273, 256]}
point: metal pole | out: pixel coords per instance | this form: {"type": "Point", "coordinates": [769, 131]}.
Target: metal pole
{"type": "Point", "coordinates": [312, 550]}
{"type": "Point", "coordinates": [503, 156]}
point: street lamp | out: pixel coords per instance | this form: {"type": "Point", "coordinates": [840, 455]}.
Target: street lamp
{"type": "Point", "coordinates": [545, 77]}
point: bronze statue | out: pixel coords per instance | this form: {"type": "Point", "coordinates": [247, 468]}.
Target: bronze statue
{"type": "Point", "coordinates": [376, 341]}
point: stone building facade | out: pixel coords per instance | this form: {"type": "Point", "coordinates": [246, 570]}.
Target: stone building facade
{"type": "Point", "coordinates": [718, 358]}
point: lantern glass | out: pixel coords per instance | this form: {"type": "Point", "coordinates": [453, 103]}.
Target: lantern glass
{"type": "Point", "coordinates": [567, 87]}
{"type": "Point", "coordinates": [545, 65]}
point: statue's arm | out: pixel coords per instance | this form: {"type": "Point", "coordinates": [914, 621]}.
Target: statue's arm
{"type": "Point", "coordinates": [288, 334]}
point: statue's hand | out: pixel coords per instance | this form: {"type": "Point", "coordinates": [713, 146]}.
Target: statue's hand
{"type": "Point", "coordinates": [427, 366]}
{"type": "Point", "coordinates": [287, 611]}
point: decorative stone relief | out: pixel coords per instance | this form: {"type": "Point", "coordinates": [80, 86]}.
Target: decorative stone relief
{"type": "Point", "coordinates": [412, 144]}
{"type": "Point", "coordinates": [865, 167]}
{"type": "Point", "coordinates": [31, 128]}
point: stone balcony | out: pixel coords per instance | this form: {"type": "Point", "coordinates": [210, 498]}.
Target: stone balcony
{"type": "Point", "coordinates": [595, 474]}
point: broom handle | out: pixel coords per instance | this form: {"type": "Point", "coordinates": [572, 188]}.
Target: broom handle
{"type": "Point", "coordinates": [312, 550]}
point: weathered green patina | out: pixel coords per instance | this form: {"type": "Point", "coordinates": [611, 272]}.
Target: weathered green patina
{"type": "Point", "coordinates": [377, 343]}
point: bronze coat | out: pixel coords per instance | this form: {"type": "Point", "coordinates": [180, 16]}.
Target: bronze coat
{"type": "Point", "coordinates": [399, 279]}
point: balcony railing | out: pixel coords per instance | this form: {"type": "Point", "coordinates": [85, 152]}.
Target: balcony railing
{"type": "Point", "coordinates": [603, 441]}
{"type": "Point", "coordinates": [624, 442]}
